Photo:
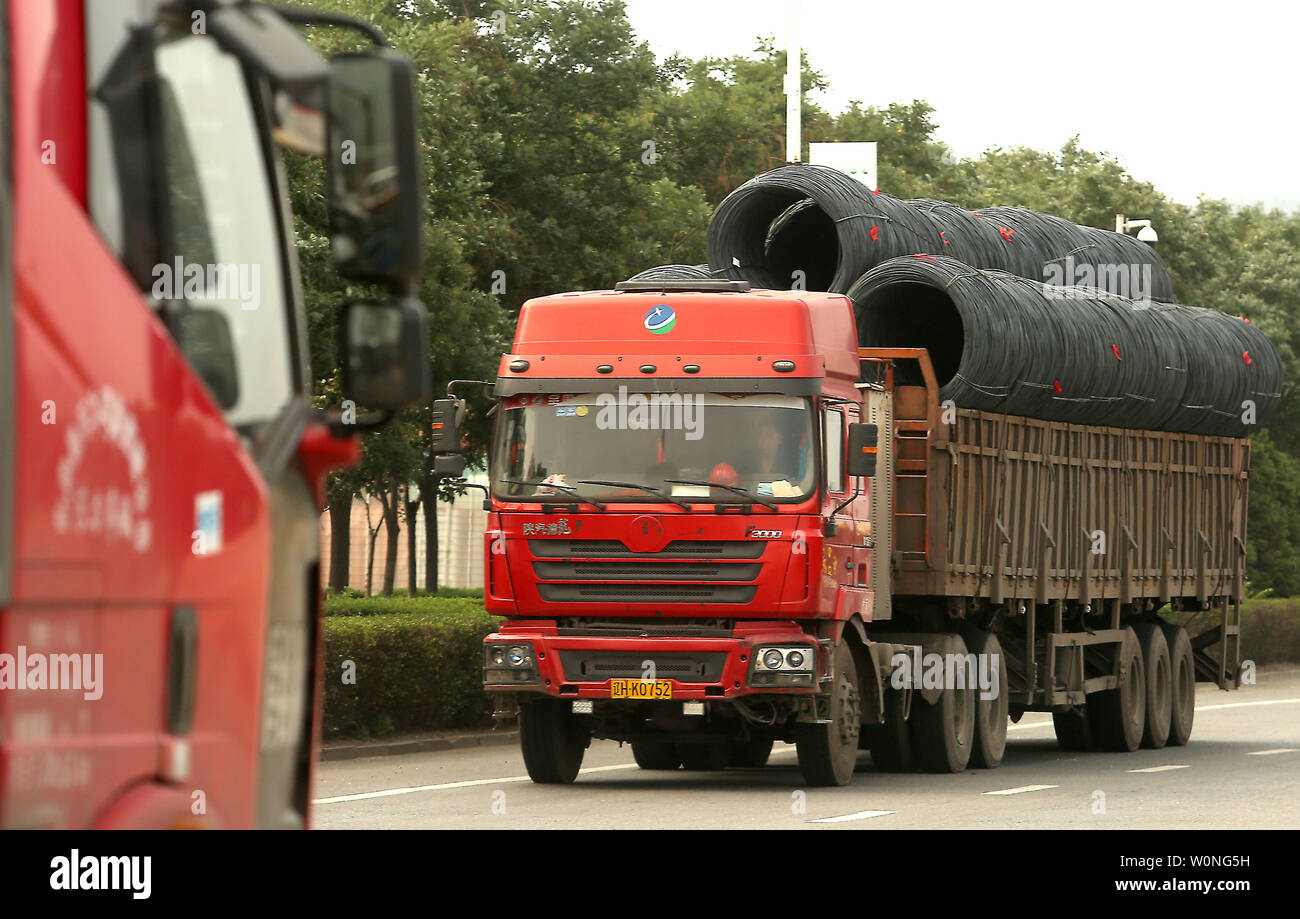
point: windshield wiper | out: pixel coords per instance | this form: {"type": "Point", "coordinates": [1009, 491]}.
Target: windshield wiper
{"type": "Point", "coordinates": [733, 488]}
{"type": "Point", "coordinates": [648, 489]}
{"type": "Point", "coordinates": [567, 489]}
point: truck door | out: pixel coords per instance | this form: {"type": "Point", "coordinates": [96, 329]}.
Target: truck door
{"type": "Point", "coordinates": [839, 555]}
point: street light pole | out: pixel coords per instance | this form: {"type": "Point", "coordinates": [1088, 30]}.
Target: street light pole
{"type": "Point", "coordinates": [793, 84]}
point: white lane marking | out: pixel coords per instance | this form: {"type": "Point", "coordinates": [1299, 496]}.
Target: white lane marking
{"type": "Point", "coordinates": [1021, 790]}
{"type": "Point", "coordinates": [860, 815]}
{"type": "Point", "coordinates": [1200, 708]}
{"type": "Point", "coordinates": [1162, 768]}
{"type": "Point", "coordinates": [390, 792]}
{"type": "Point", "coordinates": [1273, 752]}
{"type": "Point", "coordinates": [1211, 708]}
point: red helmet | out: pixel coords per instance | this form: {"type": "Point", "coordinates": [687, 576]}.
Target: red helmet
{"type": "Point", "coordinates": [724, 474]}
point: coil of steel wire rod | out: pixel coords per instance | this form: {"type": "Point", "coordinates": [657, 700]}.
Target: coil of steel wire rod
{"type": "Point", "coordinates": [1083, 355]}
{"type": "Point", "coordinates": [817, 228]}
{"type": "Point", "coordinates": [674, 273]}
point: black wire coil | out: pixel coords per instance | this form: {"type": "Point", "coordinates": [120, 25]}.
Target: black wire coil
{"type": "Point", "coordinates": [815, 228]}
{"type": "Point", "coordinates": [1007, 344]}
{"type": "Point", "coordinates": [674, 273]}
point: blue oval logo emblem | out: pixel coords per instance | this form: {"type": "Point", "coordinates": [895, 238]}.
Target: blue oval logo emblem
{"type": "Point", "coordinates": [660, 319]}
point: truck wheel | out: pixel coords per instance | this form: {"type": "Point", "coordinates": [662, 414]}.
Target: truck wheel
{"type": "Point", "coordinates": [1182, 672]}
{"type": "Point", "coordinates": [1155, 661]}
{"type": "Point", "coordinates": [891, 742]}
{"type": "Point", "coordinates": [552, 741]}
{"type": "Point", "coordinates": [1073, 730]}
{"type": "Point", "coordinates": [655, 754]}
{"type": "Point", "coordinates": [828, 752]}
{"type": "Point", "coordinates": [1118, 716]}
{"type": "Point", "coordinates": [942, 732]}
{"type": "Point", "coordinates": [705, 757]}
{"type": "Point", "coordinates": [990, 714]}
{"type": "Point", "coordinates": [751, 753]}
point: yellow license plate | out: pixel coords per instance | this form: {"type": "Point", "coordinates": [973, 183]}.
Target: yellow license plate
{"type": "Point", "coordinates": [641, 689]}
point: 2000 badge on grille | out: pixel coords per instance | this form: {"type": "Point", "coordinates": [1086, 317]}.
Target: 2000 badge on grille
{"type": "Point", "coordinates": [641, 689]}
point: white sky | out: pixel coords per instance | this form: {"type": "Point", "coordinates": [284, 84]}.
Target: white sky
{"type": "Point", "coordinates": [1195, 97]}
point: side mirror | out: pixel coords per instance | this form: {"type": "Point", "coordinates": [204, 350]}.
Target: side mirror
{"type": "Point", "coordinates": [447, 417]}
{"type": "Point", "coordinates": [374, 176]}
{"type": "Point", "coordinates": [385, 354]}
{"type": "Point", "coordinates": [449, 466]}
{"type": "Point", "coordinates": [863, 439]}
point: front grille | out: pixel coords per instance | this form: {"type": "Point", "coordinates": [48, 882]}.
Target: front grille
{"type": "Point", "coordinates": [678, 548]}
{"type": "Point", "coordinates": [646, 593]}
{"type": "Point", "coordinates": [646, 571]}
{"type": "Point", "coordinates": [597, 666]}
{"type": "Point", "coordinates": [652, 628]}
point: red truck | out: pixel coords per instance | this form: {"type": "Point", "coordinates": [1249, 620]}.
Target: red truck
{"type": "Point", "coordinates": [160, 462]}
{"type": "Point", "coordinates": [716, 523]}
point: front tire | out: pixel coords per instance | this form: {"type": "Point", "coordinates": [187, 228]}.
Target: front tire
{"type": "Point", "coordinates": [552, 741]}
{"type": "Point", "coordinates": [829, 752]}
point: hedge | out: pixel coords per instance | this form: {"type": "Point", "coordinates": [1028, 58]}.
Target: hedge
{"type": "Point", "coordinates": [417, 666]}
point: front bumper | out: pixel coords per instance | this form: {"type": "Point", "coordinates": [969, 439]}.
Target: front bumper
{"type": "Point", "coordinates": [581, 667]}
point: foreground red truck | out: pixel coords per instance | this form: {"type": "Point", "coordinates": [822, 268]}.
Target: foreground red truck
{"type": "Point", "coordinates": [160, 462]}
{"type": "Point", "coordinates": [716, 523]}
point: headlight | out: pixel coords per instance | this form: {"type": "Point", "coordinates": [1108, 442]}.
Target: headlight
{"type": "Point", "coordinates": [794, 659]}
{"type": "Point", "coordinates": [784, 667]}
{"type": "Point", "coordinates": [772, 659]}
{"type": "Point", "coordinates": [504, 662]}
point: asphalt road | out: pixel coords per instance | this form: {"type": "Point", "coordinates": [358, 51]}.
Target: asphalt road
{"type": "Point", "coordinates": [1241, 770]}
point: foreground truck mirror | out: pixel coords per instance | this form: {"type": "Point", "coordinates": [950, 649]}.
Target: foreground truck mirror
{"type": "Point", "coordinates": [374, 178]}
{"type": "Point", "coordinates": [863, 442]}
{"type": "Point", "coordinates": [385, 354]}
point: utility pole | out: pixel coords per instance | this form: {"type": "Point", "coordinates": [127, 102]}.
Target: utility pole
{"type": "Point", "coordinates": [793, 84]}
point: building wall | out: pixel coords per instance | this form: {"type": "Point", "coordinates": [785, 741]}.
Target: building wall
{"type": "Point", "coordinates": [460, 544]}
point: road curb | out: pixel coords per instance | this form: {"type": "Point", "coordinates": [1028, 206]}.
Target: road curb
{"type": "Point", "coordinates": [422, 745]}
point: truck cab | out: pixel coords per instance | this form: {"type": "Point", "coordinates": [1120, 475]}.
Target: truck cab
{"type": "Point", "coordinates": [160, 458]}
{"type": "Point", "coordinates": [674, 519]}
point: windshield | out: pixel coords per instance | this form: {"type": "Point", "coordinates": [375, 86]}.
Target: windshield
{"type": "Point", "coordinates": [642, 447]}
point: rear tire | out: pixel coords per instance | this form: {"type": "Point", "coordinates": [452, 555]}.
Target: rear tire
{"type": "Point", "coordinates": [1073, 730]}
{"type": "Point", "coordinates": [1118, 715]}
{"type": "Point", "coordinates": [990, 741]}
{"type": "Point", "coordinates": [1155, 662]}
{"type": "Point", "coordinates": [942, 733]}
{"type": "Point", "coordinates": [1182, 671]}
{"type": "Point", "coordinates": [891, 743]}
{"type": "Point", "coordinates": [752, 753]}
{"type": "Point", "coordinates": [552, 742]}
{"type": "Point", "coordinates": [712, 756]}
{"type": "Point", "coordinates": [655, 754]}
{"type": "Point", "coordinates": [829, 752]}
